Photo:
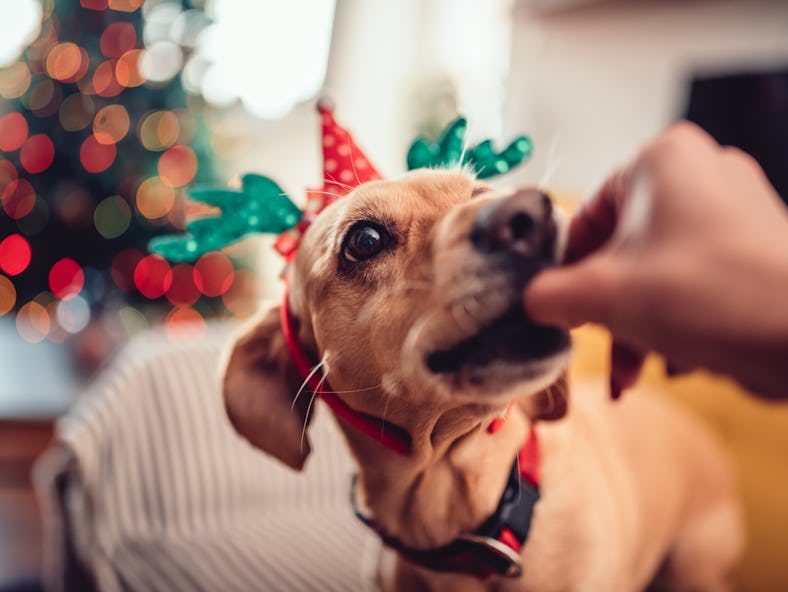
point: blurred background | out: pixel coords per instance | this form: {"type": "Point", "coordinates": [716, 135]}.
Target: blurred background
{"type": "Point", "coordinates": [110, 110]}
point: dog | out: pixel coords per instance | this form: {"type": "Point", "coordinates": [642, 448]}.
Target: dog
{"type": "Point", "coordinates": [409, 295]}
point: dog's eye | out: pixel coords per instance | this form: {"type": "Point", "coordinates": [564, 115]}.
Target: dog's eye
{"type": "Point", "coordinates": [364, 241]}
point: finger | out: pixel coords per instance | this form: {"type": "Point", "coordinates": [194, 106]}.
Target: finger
{"type": "Point", "coordinates": [596, 219]}
{"type": "Point", "coordinates": [626, 363]}
{"type": "Point", "coordinates": [571, 295]}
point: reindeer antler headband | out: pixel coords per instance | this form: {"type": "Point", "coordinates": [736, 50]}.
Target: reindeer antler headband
{"type": "Point", "coordinates": [261, 206]}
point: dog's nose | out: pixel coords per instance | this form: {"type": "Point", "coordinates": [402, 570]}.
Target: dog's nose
{"type": "Point", "coordinates": [521, 224]}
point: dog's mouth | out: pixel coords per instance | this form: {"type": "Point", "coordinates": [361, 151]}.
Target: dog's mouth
{"type": "Point", "coordinates": [511, 338]}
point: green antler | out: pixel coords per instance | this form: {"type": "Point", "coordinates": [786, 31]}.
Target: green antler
{"type": "Point", "coordinates": [448, 151]}
{"type": "Point", "coordinates": [260, 206]}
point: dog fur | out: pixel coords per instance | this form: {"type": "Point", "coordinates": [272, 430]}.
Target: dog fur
{"type": "Point", "coordinates": [633, 493]}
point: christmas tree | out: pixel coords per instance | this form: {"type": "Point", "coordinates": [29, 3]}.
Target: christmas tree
{"type": "Point", "coordinates": [97, 146]}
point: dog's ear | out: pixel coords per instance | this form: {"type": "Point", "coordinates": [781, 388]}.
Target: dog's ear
{"type": "Point", "coordinates": [548, 404]}
{"type": "Point", "coordinates": [260, 383]}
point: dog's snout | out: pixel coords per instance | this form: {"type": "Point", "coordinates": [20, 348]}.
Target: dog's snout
{"type": "Point", "coordinates": [520, 224]}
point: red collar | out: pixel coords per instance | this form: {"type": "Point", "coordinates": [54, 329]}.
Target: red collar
{"type": "Point", "coordinates": [495, 546]}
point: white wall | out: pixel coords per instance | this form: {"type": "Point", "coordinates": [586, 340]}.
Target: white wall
{"type": "Point", "coordinates": [599, 80]}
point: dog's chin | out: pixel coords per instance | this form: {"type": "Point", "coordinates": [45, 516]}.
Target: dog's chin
{"type": "Point", "coordinates": [509, 352]}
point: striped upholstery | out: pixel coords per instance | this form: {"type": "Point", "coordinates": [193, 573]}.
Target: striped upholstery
{"type": "Point", "coordinates": [148, 488]}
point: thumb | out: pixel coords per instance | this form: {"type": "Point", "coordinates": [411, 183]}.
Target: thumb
{"type": "Point", "coordinates": [571, 295]}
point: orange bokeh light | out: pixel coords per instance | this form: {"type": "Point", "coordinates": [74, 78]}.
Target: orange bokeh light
{"type": "Point", "coordinates": [96, 157]}
{"type": "Point", "coordinates": [154, 198]}
{"type": "Point", "coordinates": [111, 124]}
{"type": "Point", "coordinates": [7, 295]}
{"type": "Point", "coordinates": [117, 38]}
{"type": "Point", "coordinates": [214, 274]}
{"type": "Point", "coordinates": [18, 198]}
{"type": "Point", "coordinates": [13, 131]}
{"type": "Point", "coordinates": [125, 5]}
{"type": "Point", "coordinates": [185, 324]}
{"type": "Point", "coordinates": [105, 83]}
{"type": "Point", "coordinates": [37, 154]}
{"type": "Point", "coordinates": [63, 61]}
{"type": "Point", "coordinates": [33, 322]}
{"type": "Point", "coordinates": [177, 166]}
{"type": "Point", "coordinates": [127, 70]}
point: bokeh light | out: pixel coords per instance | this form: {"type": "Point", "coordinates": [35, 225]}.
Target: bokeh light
{"type": "Point", "coordinates": [32, 322]}
{"type": "Point", "coordinates": [14, 80]}
{"type": "Point", "coordinates": [125, 5]}
{"type": "Point", "coordinates": [111, 124]}
{"type": "Point", "coordinates": [18, 197]}
{"type": "Point", "coordinates": [83, 67]}
{"type": "Point", "coordinates": [7, 295]}
{"type": "Point", "coordinates": [75, 207]}
{"type": "Point", "coordinates": [19, 25]}
{"type": "Point", "coordinates": [127, 70]}
{"type": "Point", "coordinates": [112, 217]}
{"type": "Point", "coordinates": [41, 95]}
{"type": "Point", "coordinates": [105, 83]}
{"type": "Point", "coordinates": [183, 291]}
{"type": "Point", "coordinates": [15, 254]}
{"type": "Point", "coordinates": [122, 268]}
{"type": "Point", "coordinates": [73, 315]}
{"type": "Point", "coordinates": [161, 61]}
{"type": "Point", "coordinates": [177, 166]}
{"type": "Point", "coordinates": [117, 39]}
{"type": "Point", "coordinates": [93, 4]}
{"type": "Point", "coordinates": [243, 296]}
{"type": "Point", "coordinates": [76, 112]}
{"type": "Point", "coordinates": [66, 278]}
{"type": "Point", "coordinates": [153, 276]}
{"type": "Point", "coordinates": [63, 61]}
{"type": "Point", "coordinates": [37, 154]}
{"type": "Point", "coordinates": [7, 173]}
{"type": "Point", "coordinates": [213, 274]}
{"type": "Point", "coordinates": [185, 324]}
{"type": "Point", "coordinates": [154, 198]}
{"type": "Point", "coordinates": [95, 156]}
{"type": "Point", "coordinates": [159, 130]}
{"type": "Point", "coordinates": [13, 131]}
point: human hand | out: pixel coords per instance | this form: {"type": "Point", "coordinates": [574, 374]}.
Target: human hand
{"type": "Point", "coordinates": [684, 252]}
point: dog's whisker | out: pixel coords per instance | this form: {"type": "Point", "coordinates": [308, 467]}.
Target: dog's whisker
{"type": "Point", "coordinates": [314, 370]}
{"type": "Point", "coordinates": [306, 418]}
{"type": "Point", "coordinates": [331, 179]}
{"type": "Point", "coordinates": [385, 411]}
{"type": "Point", "coordinates": [352, 160]}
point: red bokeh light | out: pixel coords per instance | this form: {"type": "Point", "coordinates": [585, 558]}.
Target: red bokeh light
{"type": "Point", "coordinates": [66, 278]}
{"type": "Point", "coordinates": [183, 292]}
{"type": "Point", "coordinates": [37, 154]}
{"type": "Point", "coordinates": [105, 83]}
{"type": "Point", "coordinates": [177, 166]}
{"type": "Point", "coordinates": [15, 254]}
{"type": "Point", "coordinates": [13, 131]}
{"type": "Point", "coordinates": [93, 4]}
{"type": "Point", "coordinates": [153, 276]}
{"type": "Point", "coordinates": [18, 198]}
{"type": "Point", "coordinates": [213, 274]}
{"type": "Point", "coordinates": [122, 268]}
{"type": "Point", "coordinates": [117, 39]}
{"type": "Point", "coordinates": [95, 156]}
